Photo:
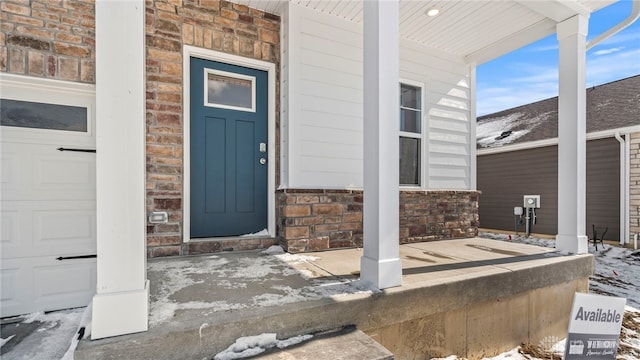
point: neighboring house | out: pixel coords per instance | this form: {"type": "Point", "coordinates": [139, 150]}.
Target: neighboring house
{"type": "Point", "coordinates": [216, 119]}
{"type": "Point", "coordinates": [517, 155]}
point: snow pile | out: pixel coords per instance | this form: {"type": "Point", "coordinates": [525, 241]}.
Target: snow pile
{"type": "Point", "coordinates": [293, 259]}
{"type": "Point", "coordinates": [253, 345]}
{"type": "Point", "coordinates": [4, 341]}
{"type": "Point", "coordinates": [83, 332]}
{"type": "Point", "coordinates": [273, 250]}
{"type": "Point", "coordinates": [263, 232]}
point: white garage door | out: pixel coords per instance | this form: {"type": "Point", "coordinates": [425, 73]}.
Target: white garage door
{"type": "Point", "coordinates": [48, 201]}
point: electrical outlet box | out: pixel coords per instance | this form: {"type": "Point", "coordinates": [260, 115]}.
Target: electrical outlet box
{"type": "Point", "coordinates": [532, 201]}
{"type": "Point", "coordinates": [158, 217]}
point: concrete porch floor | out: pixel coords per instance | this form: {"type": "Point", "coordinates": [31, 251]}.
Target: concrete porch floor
{"type": "Point", "coordinates": [472, 297]}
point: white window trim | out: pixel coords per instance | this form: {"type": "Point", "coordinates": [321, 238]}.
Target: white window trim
{"type": "Point", "coordinates": [421, 135]}
{"type": "Point", "coordinates": [233, 76]}
{"type": "Point", "coordinates": [270, 68]}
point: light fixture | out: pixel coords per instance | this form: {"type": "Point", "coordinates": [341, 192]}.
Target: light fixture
{"type": "Point", "coordinates": [432, 12]}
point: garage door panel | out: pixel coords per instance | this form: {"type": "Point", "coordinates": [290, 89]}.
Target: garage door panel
{"type": "Point", "coordinates": [48, 197]}
{"type": "Point", "coordinates": [13, 295]}
{"type": "Point", "coordinates": [42, 283]}
{"type": "Point", "coordinates": [69, 172]}
{"type": "Point", "coordinates": [40, 172]}
{"type": "Point", "coordinates": [10, 170]}
{"type": "Point", "coordinates": [10, 225]}
{"type": "Point", "coordinates": [78, 278]}
{"type": "Point", "coordinates": [64, 228]}
{"type": "Point", "coordinates": [52, 228]}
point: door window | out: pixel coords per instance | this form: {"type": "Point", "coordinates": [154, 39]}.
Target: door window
{"type": "Point", "coordinates": [229, 91]}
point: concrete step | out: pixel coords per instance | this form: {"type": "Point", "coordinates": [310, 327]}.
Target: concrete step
{"type": "Point", "coordinates": [452, 292]}
{"type": "Point", "coordinates": [345, 344]}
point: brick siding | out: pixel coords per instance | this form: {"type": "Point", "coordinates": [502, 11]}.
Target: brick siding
{"type": "Point", "coordinates": [210, 24]}
{"type": "Point", "coordinates": [52, 39]}
{"type": "Point", "coordinates": [56, 39]}
{"type": "Point", "coordinates": [437, 215]}
{"type": "Point", "coordinates": [634, 186]}
{"type": "Point", "coordinates": [312, 220]}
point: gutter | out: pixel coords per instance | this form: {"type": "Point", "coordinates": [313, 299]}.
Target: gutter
{"type": "Point", "coordinates": [624, 188]}
{"type": "Point", "coordinates": [635, 15]}
{"type": "Point", "coordinates": [554, 141]}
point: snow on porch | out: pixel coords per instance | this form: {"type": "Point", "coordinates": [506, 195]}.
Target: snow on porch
{"type": "Point", "coordinates": [201, 304]}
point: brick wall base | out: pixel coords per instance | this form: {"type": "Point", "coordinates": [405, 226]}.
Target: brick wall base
{"type": "Point", "coordinates": [312, 220]}
{"type": "Point", "coordinates": [207, 246]}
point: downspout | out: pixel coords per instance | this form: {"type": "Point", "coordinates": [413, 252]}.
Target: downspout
{"type": "Point", "coordinates": [624, 189]}
{"type": "Point", "coordinates": [624, 144]}
{"type": "Point", "coordinates": [627, 182]}
{"type": "Point", "coordinates": [635, 14]}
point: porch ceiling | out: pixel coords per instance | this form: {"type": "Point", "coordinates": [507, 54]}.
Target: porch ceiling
{"type": "Point", "coordinates": [477, 30]}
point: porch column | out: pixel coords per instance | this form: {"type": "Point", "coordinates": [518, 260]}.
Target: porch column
{"type": "Point", "coordinates": [380, 263]}
{"type": "Point", "coordinates": [120, 305]}
{"type": "Point", "coordinates": [571, 35]}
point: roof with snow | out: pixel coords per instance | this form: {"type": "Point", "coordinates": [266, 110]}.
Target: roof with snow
{"type": "Point", "coordinates": [610, 106]}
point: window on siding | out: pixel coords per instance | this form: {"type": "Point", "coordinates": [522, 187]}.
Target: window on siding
{"type": "Point", "coordinates": [410, 134]}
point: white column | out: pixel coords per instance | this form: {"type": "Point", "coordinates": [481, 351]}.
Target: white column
{"type": "Point", "coordinates": [572, 136]}
{"type": "Point", "coordinates": [121, 303]}
{"type": "Point", "coordinates": [380, 263]}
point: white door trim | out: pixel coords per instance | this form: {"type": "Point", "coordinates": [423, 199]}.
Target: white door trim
{"type": "Point", "coordinates": [270, 68]}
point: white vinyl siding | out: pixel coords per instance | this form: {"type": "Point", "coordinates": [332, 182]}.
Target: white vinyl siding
{"type": "Point", "coordinates": [322, 105]}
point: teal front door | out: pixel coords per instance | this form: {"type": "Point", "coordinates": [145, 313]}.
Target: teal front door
{"type": "Point", "coordinates": [228, 149]}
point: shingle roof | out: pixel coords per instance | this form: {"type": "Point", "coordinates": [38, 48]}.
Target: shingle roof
{"type": "Point", "coordinates": [609, 106]}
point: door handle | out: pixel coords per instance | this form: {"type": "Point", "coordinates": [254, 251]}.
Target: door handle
{"type": "Point", "coordinates": [263, 161]}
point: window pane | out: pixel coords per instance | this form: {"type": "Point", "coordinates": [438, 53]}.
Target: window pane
{"type": "Point", "coordinates": [410, 121]}
{"type": "Point", "coordinates": [410, 96]}
{"type": "Point", "coordinates": [409, 161]}
{"type": "Point", "coordinates": [229, 91]}
{"type": "Point", "coordinates": [36, 115]}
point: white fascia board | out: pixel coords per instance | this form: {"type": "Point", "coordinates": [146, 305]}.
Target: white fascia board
{"type": "Point", "coordinates": [554, 141]}
{"type": "Point", "coordinates": [513, 42]}
{"type": "Point", "coordinates": [556, 10]}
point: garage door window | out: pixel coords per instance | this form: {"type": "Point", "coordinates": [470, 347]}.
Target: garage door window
{"type": "Point", "coordinates": [28, 114]}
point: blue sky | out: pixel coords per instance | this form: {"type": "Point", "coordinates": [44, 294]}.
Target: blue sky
{"type": "Point", "coordinates": [531, 73]}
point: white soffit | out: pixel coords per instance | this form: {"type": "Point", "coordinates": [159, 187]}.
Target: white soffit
{"type": "Point", "coordinates": [478, 30]}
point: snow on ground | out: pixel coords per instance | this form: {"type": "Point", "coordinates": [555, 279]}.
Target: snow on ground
{"type": "Point", "coordinates": [253, 345]}
{"type": "Point", "coordinates": [616, 274]}
{"type": "Point", "coordinates": [52, 338]}
{"type": "Point", "coordinates": [241, 272]}
{"type": "Point", "coordinates": [4, 341]}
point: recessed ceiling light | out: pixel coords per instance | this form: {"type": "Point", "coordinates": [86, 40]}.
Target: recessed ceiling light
{"type": "Point", "coordinates": [433, 12]}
